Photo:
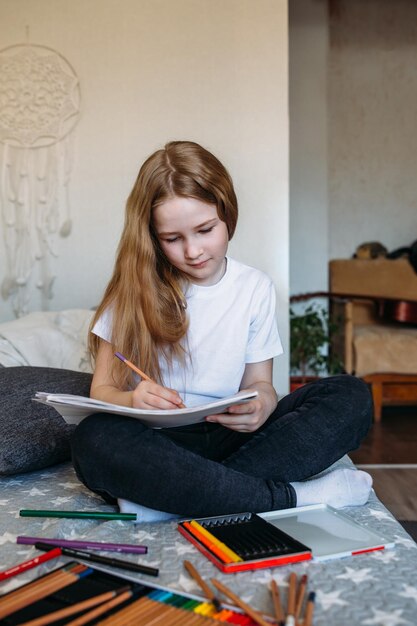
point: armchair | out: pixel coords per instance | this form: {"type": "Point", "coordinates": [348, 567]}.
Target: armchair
{"type": "Point", "coordinates": [383, 352]}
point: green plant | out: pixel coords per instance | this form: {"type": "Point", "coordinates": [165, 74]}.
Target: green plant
{"type": "Point", "coordinates": [311, 332]}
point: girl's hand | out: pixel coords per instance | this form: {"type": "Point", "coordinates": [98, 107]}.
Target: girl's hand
{"type": "Point", "coordinates": [245, 418]}
{"type": "Point", "coordinates": [150, 395]}
{"type": "Point", "coordinates": [248, 417]}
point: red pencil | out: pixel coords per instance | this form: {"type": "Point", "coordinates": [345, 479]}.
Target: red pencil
{"type": "Point", "coordinates": [22, 567]}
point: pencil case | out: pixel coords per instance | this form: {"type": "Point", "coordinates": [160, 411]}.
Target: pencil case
{"type": "Point", "coordinates": [243, 541]}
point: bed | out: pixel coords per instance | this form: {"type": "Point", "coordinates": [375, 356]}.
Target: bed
{"type": "Point", "coordinates": [376, 588]}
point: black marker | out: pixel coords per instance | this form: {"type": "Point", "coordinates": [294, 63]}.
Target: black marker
{"type": "Point", "coordinates": [104, 560]}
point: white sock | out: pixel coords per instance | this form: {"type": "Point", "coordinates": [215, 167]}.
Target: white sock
{"type": "Point", "coordinates": [339, 488]}
{"type": "Point", "coordinates": [143, 513]}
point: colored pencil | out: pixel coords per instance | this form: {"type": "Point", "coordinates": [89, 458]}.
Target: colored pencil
{"type": "Point", "coordinates": [235, 558]}
{"type": "Point", "coordinates": [77, 514]}
{"type": "Point", "coordinates": [104, 560]}
{"type": "Point", "coordinates": [279, 613]}
{"type": "Point", "coordinates": [100, 610]}
{"type": "Point", "coordinates": [207, 543]}
{"type": "Point", "coordinates": [54, 616]}
{"type": "Point", "coordinates": [133, 367]}
{"type": "Point", "coordinates": [257, 617]}
{"type": "Point", "coordinates": [39, 589]}
{"type": "Point", "coordinates": [23, 567]}
{"type": "Point", "coordinates": [203, 585]}
{"type": "Point", "coordinates": [300, 596]}
{"type": "Point", "coordinates": [308, 618]}
{"type": "Point", "coordinates": [81, 545]}
{"type": "Point", "coordinates": [292, 588]}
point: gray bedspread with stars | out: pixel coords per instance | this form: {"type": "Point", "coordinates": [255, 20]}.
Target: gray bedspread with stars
{"type": "Point", "coordinates": [373, 589]}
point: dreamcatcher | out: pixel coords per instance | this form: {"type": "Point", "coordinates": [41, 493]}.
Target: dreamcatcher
{"type": "Point", "coordinates": [39, 107]}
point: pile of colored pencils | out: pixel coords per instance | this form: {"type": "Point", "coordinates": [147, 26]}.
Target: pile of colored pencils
{"type": "Point", "coordinates": [295, 603]}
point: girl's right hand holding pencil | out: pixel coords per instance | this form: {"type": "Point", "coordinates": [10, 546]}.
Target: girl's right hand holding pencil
{"type": "Point", "coordinates": [150, 395]}
{"type": "Point", "coordinates": [147, 394]}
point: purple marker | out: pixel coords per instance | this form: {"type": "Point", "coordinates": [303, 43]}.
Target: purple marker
{"type": "Point", "coordinates": [80, 545]}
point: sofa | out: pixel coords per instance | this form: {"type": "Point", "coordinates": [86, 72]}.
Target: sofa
{"type": "Point", "coordinates": [375, 303]}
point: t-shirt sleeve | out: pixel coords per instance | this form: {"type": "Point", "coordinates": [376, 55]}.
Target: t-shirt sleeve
{"type": "Point", "coordinates": [103, 326]}
{"type": "Point", "coordinates": [264, 341]}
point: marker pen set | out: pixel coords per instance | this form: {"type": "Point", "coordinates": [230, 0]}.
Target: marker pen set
{"type": "Point", "coordinates": [242, 542]}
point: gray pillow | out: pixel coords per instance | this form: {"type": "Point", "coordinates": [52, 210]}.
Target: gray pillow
{"type": "Point", "coordinates": [33, 435]}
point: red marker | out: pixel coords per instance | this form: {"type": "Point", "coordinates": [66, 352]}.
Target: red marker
{"type": "Point", "coordinates": [22, 567]}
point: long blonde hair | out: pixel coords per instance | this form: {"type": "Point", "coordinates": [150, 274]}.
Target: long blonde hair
{"type": "Point", "coordinates": [145, 293]}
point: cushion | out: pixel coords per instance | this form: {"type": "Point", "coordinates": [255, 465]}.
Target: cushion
{"type": "Point", "coordinates": [33, 435]}
{"type": "Point", "coordinates": [47, 339]}
{"type": "Point", "coordinates": [385, 348]}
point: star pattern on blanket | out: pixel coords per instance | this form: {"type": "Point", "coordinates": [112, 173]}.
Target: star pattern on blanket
{"type": "Point", "coordinates": [61, 500]}
{"type": "Point", "coordinates": [405, 541]}
{"type": "Point", "coordinates": [386, 618]}
{"type": "Point", "coordinates": [181, 548]}
{"type": "Point", "coordinates": [7, 538]}
{"type": "Point", "coordinates": [36, 492]}
{"type": "Point", "coordinates": [409, 592]}
{"type": "Point", "coordinates": [382, 515]}
{"type": "Point", "coordinates": [329, 599]}
{"type": "Point", "coordinates": [70, 485]}
{"type": "Point", "coordinates": [385, 556]}
{"type": "Point", "coordinates": [357, 576]}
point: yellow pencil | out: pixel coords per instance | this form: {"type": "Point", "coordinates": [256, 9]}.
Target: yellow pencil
{"type": "Point", "coordinates": [222, 546]}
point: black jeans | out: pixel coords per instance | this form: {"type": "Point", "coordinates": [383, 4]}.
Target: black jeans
{"type": "Point", "coordinates": [206, 469]}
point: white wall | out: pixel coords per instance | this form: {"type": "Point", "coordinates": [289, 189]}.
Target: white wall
{"type": "Point", "coordinates": [353, 131]}
{"type": "Point", "coordinates": [212, 71]}
{"type": "Point", "coordinates": [372, 124]}
{"type": "Point", "coordinates": [308, 145]}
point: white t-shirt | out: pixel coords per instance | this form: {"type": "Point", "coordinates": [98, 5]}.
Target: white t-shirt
{"type": "Point", "coordinates": [231, 323]}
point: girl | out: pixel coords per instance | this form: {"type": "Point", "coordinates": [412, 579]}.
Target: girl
{"type": "Point", "coordinates": [202, 326]}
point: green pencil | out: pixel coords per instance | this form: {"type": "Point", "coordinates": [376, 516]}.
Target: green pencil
{"type": "Point", "coordinates": [77, 514]}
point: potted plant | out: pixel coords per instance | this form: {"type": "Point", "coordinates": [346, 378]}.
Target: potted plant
{"type": "Point", "coordinates": [311, 332]}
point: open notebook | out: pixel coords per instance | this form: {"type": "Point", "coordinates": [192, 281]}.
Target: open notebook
{"type": "Point", "coordinates": [75, 408]}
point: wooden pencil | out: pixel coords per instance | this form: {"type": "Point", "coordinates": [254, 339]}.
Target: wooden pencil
{"type": "Point", "coordinates": [209, 593]}
{"type": "Point", "coordinates": [138, 612]}
{"type": "Point", "coordinates": [300, 596]}
{"type": "Point", "coordinates": [257, 617]}
{"type": "Point", "coordinates": [308, 619]}
{"type": "Point", "coordinates": [144, 376]}
{"type": "Point", "coordinates": [54, 616]}
{"type": "Point", "coordinates": [101, 609]}
{"type": "Point", "coordinates": [32, 592]}
{"type": "Point", "coordinates": [292, 588]}
{"type": "Point", "coordinates": [279, 613]}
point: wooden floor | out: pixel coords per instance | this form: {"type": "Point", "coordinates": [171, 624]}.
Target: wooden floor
{"type": "Point", "coordinates": [389, 454]}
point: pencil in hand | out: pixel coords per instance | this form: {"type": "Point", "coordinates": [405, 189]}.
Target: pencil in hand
{"type": "Point", "coordinates": [138, 371]}
{"type": "Point", "coordinates": [132, 366]}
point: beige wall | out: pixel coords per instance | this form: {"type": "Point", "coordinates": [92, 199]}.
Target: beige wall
{"type": "Point", "coordinates": [214, 71]}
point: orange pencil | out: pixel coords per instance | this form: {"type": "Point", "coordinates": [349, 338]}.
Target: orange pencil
{"type": "Point", "coordinates": [235, 558]}
{"type": "Point", "coordinates": [206, 542]}
{"type": "Point", "coordinates": [133, 367]}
